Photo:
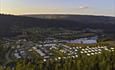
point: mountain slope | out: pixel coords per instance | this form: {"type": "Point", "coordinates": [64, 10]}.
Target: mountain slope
{"type": "Point", "coordinates": [78, 18]}
{"type": "Point", "coordinates": [10, 23]}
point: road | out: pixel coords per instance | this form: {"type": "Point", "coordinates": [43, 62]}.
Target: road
{"type": "Point", "coordinates": [7, 55]}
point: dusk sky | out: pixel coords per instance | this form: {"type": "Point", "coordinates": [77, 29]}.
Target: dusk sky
{"type": "Point", "coordinates": [87, 7]}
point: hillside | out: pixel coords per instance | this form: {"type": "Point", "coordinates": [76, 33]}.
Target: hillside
{"type": "Point", "coordinates": [78, 18]}
{"type": "Point", "coordinates": [11, 23]}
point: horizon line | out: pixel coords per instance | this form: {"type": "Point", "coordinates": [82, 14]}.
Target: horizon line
{"type": "Point", "coordinates": [58, 14]}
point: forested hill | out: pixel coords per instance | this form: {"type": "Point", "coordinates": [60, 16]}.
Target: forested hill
{"type": "Point", "coordinates": [78, 18]}
{"type": "Point", "coordinates": [9, 23]}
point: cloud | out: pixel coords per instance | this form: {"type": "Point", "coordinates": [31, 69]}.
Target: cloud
{"type": "Point", "coordinates": [83, 7]}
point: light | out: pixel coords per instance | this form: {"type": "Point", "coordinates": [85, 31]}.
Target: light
{"type": "Point", "coordinates": [92, 53]}
{"type": "Point", "coordinates": [81, 52]}
{"type": "Point", "coordinates": [89, 51]}
{"type": "Point", "coordinates": [92, 50]}
{"type": "Point", "coordinates": [59, 58]}
{"type": "Point", "coordinates": [99, 49]}
{"type": "Point", "coordinates": [99, 52]}
{"type": "Point", "coordinates": [44, 60]}
{"type": "Point", "coordinates": [112, 48]}
{"type": "Point", "coordinates": [106, 49]}
{"type": "Point", "coordinates": [88, 54]}
{"type": "Point", "coordinates": [76, 50]}
{"type": "Point", "coordinates": [96, 50]}
{"type": "Point", "coordinates": [85, 51]}
{"type": "Point", "coordinates": [73, 56]}
{"type": "Point", "coordinates": [76, 55]}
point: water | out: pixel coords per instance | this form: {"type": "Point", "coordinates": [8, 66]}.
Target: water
{"type": "Point", "coordinates": [87, 40]}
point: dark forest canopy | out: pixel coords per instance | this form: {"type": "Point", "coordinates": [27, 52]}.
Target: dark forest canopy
{"type": "Point", "coordinates": [8, 23]}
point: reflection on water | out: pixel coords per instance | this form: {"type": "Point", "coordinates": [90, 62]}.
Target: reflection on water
{"type": "Point", "coordinates": [87, 40]}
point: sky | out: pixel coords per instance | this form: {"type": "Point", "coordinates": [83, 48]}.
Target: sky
{"type": "Point", "coordinates": [85, 7]}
